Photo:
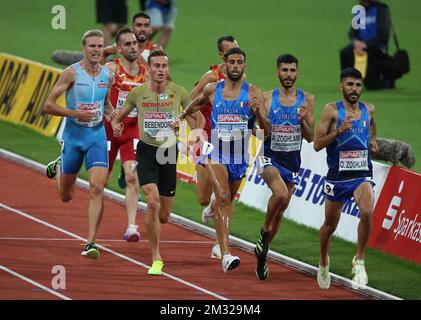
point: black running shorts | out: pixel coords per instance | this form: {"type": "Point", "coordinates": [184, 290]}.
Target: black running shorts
{"type": "Point", "coordinates": [152, 169]}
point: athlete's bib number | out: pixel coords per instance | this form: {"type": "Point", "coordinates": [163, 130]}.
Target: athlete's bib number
{"type": "Point", "coordinates": [329, 189]}
{"type": "Point", "coordinates": [122, 96]}
{"type": "Point", "coordinates": [355, 160]}
{"type": "Point", "coordinates": [158, 124]}
{"type": "Point", "coordinates": [285, 138]}
{"type": "Point", "coordinates": [264, 161]}
{"type": "Point", "coordinates": [95, 108]}
{"type": "Point", "coordinates": [231, 127]}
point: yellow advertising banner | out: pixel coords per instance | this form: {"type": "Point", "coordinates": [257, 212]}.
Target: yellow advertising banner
{"type": "Point", "coordinates": [24, 87]}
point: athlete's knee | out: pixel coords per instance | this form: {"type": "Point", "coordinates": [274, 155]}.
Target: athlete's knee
{"type": "Point", "coordinates": [366, 215]}
{"type": "Point", "coordinates": [164, 216]}
{"type": "Point", "coordinates": [154, 205]}
{"type": "Point", "coordinates": [328, 227]}
{"type": "Point", "coordinates": [281, 199]}
{"type": "Point", "coordinates": [131, 179]}
{"type": "Point", "coordinates": [96, 189]}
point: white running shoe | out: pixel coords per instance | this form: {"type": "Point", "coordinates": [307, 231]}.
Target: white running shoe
{"type": "Point", "coordinates": [230, 262]}
{"type": "Point", "coordinates": [360, 279]}
{"type": "Point", "coordinates": [216, 252]}
{"type": "Point", "coordinates": [323, 275]}
{"type": "Point", "coordinates": [207, 213]}
{"type": "Point", "coordinates": [132, 235]}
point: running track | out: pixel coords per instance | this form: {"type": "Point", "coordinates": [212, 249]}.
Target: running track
{"type": "Point", "coordinates": [38, 231]}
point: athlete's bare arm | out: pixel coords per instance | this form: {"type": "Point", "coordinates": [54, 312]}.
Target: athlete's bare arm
{"type": "Point", "coordinates": [200, 101]}
{"type": "Point", "coordinates": [373, 129]}
{"type": "Point", "coordinates": [257, 103]}
{"type": "Point", "coordinates": [109, 111]}
{"type": "Point", "coordinates": [306, 116]}
{"type": "Point", "coordinates": [208, 77]}
{"type": "Point", "coordinates": [108, 51]}
{"type": "Point", "coordinates": [326, 132]}
{"type": "Point", "coordinates": [64, 83]}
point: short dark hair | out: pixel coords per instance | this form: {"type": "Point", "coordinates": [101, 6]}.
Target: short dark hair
{"type": "Point", "coordinates": [156, 53]}
{"type": "Point", "coordinates": [140, 15]}
{"type": "Point", "coordinates": [286, 58]}
{"type": "Point", "coordinates": [235, 50]}
{"type": "Point", "coordinates": [120, 33]}
{"type": "Point", "coordinates": [350, 73]}
{"type": "Point", "coordinates": [222, 39]}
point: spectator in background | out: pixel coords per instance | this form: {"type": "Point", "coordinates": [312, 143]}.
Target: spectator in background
{"type": "Point", "coordinates": [162, 13]}
{"type": "Point", "coordinates": [369, 46]}
{"type": "Point", "coordinates": [112, 14]}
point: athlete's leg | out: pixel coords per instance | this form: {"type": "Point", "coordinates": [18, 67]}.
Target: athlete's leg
{"type": "Point", "coordinates": [132, 192]}
{"type": "Point", "coordinates": [332, 215]}
{"type": "Point", "coordinates": [152, 224]}
{"type": "Point", "coordinates": [220, 184]}
{"type": "Point", "coordinates": [97, 177]}
{"type": "Point", "coordinates": [364, 198]}
{"type": "Point", "coordinates": [203, 186]}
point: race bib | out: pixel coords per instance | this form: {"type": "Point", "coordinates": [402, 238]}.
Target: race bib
{"type": "Point", "coordinates": [231, 127]}
{"type": "Point", "coordinates": [285, 138]}
{"type": "Point", "coordinates": [158, 124]}
{"type": "Point", "coordinates": [355, 160]}
{"type": "Point", "coordinates": [264, 161]}
{"type": "Point", "coordinates": [328, 189]}
{"type": "Point", "coordinates": [122, 96]}
{"type": "Point", "coordinates": [95, 108]}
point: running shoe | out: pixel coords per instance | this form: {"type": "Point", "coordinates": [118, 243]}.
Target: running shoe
{"type": "Point", "coordinates": [90, 251]}
{"type": "Point", "coordinates": [51, 169]}
{"type": "Point", "coordinates": [360, 279]}
{"type": "Point", "coordinates": [230, 262]}
{"type": "Point", "coordinates": [216, 252]}
{"type": "Point", "coordinates": [207, 213]}
{"type": "Point", "coordinates": [261, 250]}
{"type": "Point", "coordinates": [323, 275]}
{"type": "Point", "coordinates": [132, 235]}
{"type": "Point", "coordinates": [156, 268]}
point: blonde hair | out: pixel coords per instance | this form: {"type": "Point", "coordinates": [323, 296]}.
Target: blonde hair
{"type": "Point", "coordinates": [92, 33]}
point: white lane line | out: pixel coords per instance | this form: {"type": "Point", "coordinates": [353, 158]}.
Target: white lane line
{"type": "Point", "coordinates": [105, 240]}
{"type": "Point", "coordinates": [39, 285]}
{"type": "Point", "coordinates": [122, 256]}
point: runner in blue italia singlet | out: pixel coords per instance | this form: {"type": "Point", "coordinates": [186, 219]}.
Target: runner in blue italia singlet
{"type": "Point", "coordinates": [348, 157]}
{"type": "Point", "coordinates": [347, 130]}
{"type": "Point", "coordinates": [85, 138]}
{"type": "Point", "coordinates": [230, 135]}
{"type": "Point", "coordinates": [283, 147]}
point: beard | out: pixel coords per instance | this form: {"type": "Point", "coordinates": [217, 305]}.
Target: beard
{"type": "Point", "coordinates": [352, 97]}
{"type": "Point", "coordinates": [287, 86]}
{"type": "Point", "coordinates": [235, 77]}
{"type": "Point", "coordinates": [143, 39]}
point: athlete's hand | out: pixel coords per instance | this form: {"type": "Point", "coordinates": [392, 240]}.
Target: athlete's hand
{"type": "Point", "coordinates": [302, 112]}
{"type": "Point", "coordinates": [374, 147]}
{"type": "Point", "coordinates": [345, 125]}
{"type": "Point", "coordinates": [175, 126]}
{"type": "Point", "coordinates": [110, 116]}
{"type": "Point", "coordinates": [117, 128]}
{"type": "Point", "coordinates": [255, 104]}
{"type": "Point", "coordinates": [84, 115]}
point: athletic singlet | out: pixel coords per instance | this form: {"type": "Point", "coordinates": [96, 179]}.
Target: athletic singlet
{"type": "Point", "coordinates": [156, 111]}
{"type": "Point", "coordinates": [348, 157]}
{"type": "Point", "coordinates": [123, 84]}
{"type": "Point", "coordinates": [207, 109]}
{"type": "Point", "coordinates": [229, 120]}
{"type": "Point", "coordinates": [87, 93]}
{"type": "Point", "coordinates": [142, 58]}
{"type": "Point", "coordinates": [284, 143]}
